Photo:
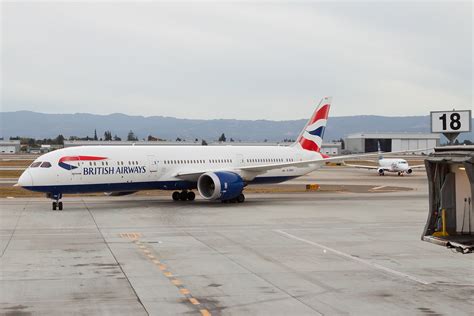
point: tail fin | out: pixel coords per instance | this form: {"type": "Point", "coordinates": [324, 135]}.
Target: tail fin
{"type": "Point", "coordinates": [311, 137]}
{"type": "Point", "coordinates": [379, 149]}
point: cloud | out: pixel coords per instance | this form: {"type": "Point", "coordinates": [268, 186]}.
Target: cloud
{"type": "Point", "coordinates": [236, 60]}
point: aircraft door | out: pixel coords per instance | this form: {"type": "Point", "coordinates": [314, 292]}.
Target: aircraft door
{"type": "Point", "coordinates": [152, 164]}
{"type": "Point", "coordinates": [239, 159]}
{"type": "Point", "coordinates": [76, 167]}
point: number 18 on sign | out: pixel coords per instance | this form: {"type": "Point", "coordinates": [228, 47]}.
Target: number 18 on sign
{"type": "Point", "coordinates": [451, 123]}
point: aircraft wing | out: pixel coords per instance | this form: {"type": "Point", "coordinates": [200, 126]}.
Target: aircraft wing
{"type": "Point", "coordinates": [362, 166]}
{"type": "Point", "coordinates": [259, 169]}
{"type": "Point", "coordinates": [417, 167]}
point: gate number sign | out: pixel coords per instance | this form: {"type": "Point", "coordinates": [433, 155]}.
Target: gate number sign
{"type": "Point", "coordinates": [451, 121]}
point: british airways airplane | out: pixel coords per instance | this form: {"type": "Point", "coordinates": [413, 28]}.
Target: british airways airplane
{"type": "Point", "coordinates": [217, 172]}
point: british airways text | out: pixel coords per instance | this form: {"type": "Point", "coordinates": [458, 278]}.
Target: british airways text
{"type": "Point", "coordinates": [113, 170]}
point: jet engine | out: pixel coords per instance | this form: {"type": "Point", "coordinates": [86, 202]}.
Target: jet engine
{"type": "Point", "coordinates": [221, 185]}
{"type": "Point", "coordinates": [409, 171]}
{"type": "Point", "coordinates": [380, 171]}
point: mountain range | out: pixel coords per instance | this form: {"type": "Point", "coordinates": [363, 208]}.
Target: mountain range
{"type": "Point", "coordinates": [43, 125]}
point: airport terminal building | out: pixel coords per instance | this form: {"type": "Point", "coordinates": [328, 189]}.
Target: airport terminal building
{"type": "Point", "coordinates": [367, 142]}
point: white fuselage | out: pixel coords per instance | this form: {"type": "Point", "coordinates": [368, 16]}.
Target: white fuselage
{"type": "Point", "coordinates": [394, 165]}
{"type": "Point", "coordinates": [126, 168]}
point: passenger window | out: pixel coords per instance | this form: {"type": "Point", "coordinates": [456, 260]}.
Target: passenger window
{"type": "Point", "coordinates": [45, 165]}
{"type": "Point", "coordinates": [35, 164]}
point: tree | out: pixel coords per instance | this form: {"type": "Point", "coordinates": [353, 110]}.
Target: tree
{"type": "Point", "coordinates": [178, 139]}
{"type": "Point", "coordinates": [203, 143]}
{"type": "Point", "coordinates": [152, 138]}
{"type": "Point", "coordinates": [343, 145]}
{"type": "Point", "coordinates": [107, 135]}
{"type": "Point", "coordinates": [59, 140]}
{"type": "Point", "coordinates": [231, 140]}
{"type": "Point", "coordinates": [131, 136]}
{"type": "Point", "coordinates": [116, 138]}
{"type": "Point", "coordinates": [222, 138]}
{"type": "Point", "coordinates": [95, 135]}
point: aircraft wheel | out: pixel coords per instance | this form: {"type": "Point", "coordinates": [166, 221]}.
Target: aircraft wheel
{"type": "Point", "coordinates": [191, 196]}
{"type": "Point", "coordinates": [399, 174]}
{"type": "Point", "coordinates": [55, 205]}
{"type": "Point", "coordinates": [60, 206]}
{"type": "Point", "coordinates": [241, 198]}
{"type": "Point", "coordinates": [175, 196]}
{"type": "Point", "coordinates": [183, 196]}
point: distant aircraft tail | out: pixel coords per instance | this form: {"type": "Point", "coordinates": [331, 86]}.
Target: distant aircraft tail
{"type": "Point", "coordinates": [311, 137]}
{"type": "Point", "coordinates": [379, 149]}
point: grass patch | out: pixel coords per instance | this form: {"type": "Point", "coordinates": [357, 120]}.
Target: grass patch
{"type": "Point", "coordinates": [10, 173]}
{"type": "Point", "coordinates": [7, 191]}
{"type": "Point", "coordinates": [15, 163]}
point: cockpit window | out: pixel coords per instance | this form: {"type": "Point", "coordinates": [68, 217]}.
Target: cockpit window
{"type": "Point", "coordinates": [35, 164]}
{"type": "Point", "coordinates": [45, 165]}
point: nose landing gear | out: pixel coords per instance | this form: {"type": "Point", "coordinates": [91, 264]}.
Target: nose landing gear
{"type": "Point", "coordinates": [57, 204]}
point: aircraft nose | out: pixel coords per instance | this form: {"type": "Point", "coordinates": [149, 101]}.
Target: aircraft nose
{"type": "Point", "coordinates": [25, 180]}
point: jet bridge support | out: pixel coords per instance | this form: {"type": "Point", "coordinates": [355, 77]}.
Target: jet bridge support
{"type": "Point", "coordinates": [450, 219]}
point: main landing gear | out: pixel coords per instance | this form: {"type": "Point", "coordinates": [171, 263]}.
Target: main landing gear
{"type": "Point", "coordinates": [239, 199]}
{"type": "Point", "coordinates": [183, 196]}
{"type": "Point", "coordinates": [57, 204]}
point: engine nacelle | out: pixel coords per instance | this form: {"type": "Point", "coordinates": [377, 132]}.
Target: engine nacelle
{"type": "Point", "coordinates": [221, 185]}
{"type": "Point", "coordinates": [409, 171]}
{"type": "Point", "coordinates": [380, 170]}
{"type": "Point", "coordinates": [119, 193]}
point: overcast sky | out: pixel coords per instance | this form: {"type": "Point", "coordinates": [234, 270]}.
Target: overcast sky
{"type": "Point", "coordinates": [236, 60]}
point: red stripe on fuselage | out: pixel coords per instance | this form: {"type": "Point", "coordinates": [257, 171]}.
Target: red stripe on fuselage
{"type": "Point", "coordinates": [80, 158]}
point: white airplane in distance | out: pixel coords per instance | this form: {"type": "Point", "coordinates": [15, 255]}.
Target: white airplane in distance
{"type": "Point", "coordinates": [217, 172]}
{"type": "Point", "coordinates": [398, 165]}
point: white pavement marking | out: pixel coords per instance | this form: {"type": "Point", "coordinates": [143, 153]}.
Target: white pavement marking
{"type": "Point", "coordinates": [348, 256]}
{"type": "Point", "coordinates": [380, 187]}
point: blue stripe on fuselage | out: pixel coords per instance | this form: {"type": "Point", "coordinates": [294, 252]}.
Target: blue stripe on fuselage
{"type": "Point", "coordinates": [137, 186]}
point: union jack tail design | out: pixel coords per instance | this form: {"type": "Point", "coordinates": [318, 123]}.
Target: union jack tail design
{"type": "Point", "coordinates": [311, 137]}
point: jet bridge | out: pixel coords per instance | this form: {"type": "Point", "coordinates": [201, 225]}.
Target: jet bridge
{"type": "Point", "coordinates": [450, 220]}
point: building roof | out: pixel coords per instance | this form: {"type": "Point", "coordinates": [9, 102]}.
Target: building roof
{"type": "Point", "coordinates": [9, 142]}
{"type": "Point", "coordinates": [395, 135]}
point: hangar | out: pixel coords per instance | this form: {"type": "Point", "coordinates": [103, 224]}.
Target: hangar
{"type": "Point", "coordinates": [9, 146]}
{"type": "Point", "coordinates": [367, 142]}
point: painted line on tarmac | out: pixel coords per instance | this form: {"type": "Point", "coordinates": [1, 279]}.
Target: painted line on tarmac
{"type": "Point", "coordinates": [348, 256]}
{"type": "Point", "coordinates": [143, 246]}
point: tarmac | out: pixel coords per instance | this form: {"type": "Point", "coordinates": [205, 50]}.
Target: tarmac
{"type": "Point", "coordinates": [308, 253]}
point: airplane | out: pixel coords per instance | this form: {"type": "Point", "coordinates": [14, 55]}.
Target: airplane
{"type": "Point", "coordinates": [398, 165]}
{"type": "Point", "coordinates": [219, 173]}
